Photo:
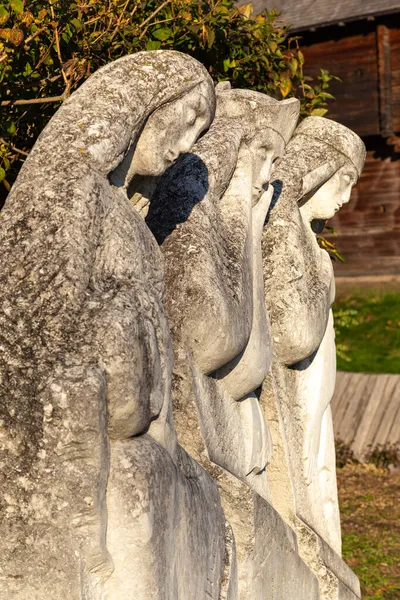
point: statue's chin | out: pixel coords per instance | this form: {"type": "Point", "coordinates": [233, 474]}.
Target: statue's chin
{"type": "Point", "coordinates": [152, 170]}
{"type": "Point", "coordinates": [326, 216]}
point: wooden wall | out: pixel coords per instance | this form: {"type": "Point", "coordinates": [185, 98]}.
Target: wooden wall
{"type": "Point", "coordinates": [395, 75]}
{"type": "Point", "coordinates": [353, 58]}
{"type": "Point", "coordinates": [369, 227]}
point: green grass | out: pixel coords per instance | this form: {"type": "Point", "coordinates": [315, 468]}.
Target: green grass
{"type": "Point", "coordinates": [368, 333]}
{"type": "Point", "coordinates": [370, 514]}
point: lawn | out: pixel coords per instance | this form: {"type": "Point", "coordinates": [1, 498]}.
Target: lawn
{"type": "Point", "coordinates": [370, 515]}
{"type": "Point", "coordinates": [368, 333]}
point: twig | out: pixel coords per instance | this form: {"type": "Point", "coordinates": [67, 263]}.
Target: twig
{"type": "Point", "coordinates": [301, 71]}
{"type": "Point", "coordinates": [32, 37]}
{"type": "Point", "coordinates": [3, 58]}
{"type": "Point", "coordinates": [97, 18]}
{"type": "Point", "coordinates": [45, 55]}
{"type": "Point", "coordinates": [2, 141]}
{"type": "Point", "coordinates": [145, 30]}
{"type": "Point", "coordinates": [50, 79]}
{"type": "Point", "coordinates": [114, 33]}
{"type": "Point", "coordinates": [33, 101]}
{"type": "Point", "coordinates": [103, 33]}
{"type": "Point", "coordinates": [153, 14]}
{"type": "Point", "coordinates": [55, 27]}
{"type": "Point", "coordinates": [158, 22]}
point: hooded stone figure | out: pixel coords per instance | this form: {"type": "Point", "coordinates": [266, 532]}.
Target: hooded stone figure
{"type": "Point", "coordinates": [322, 163]}
{"type": "Point", "coordinates": [208, 218]}
{"type": "Point", "coordinates": [86, 357]}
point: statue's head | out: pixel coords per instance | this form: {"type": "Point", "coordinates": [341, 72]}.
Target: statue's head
{"type": "Point", "coordinates": [267, 126]}
{"type": "Point", "coordinates": [336, 157]}
{"type": "Point", "coordinates": [173, 128]}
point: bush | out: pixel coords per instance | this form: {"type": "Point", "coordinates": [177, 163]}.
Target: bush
{"type": "Point", "coordinates": [385, 456]}
{"type": "Point", "coordinates": [344, 454]}
{"type": "Point", "coordinates": [48, 48]}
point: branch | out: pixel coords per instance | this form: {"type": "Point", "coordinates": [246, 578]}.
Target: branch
{"type": "Point", "coordinates": [90, 21]}
{"type": "Point", "coordinates": [46, 54]}
{"type": "Point", "coordinates": [153, 14]}
{"type": "Point", "coordinates": [114, 33]}
{"type": "Point", "coordinates": [33, 101]}
{"type": "Point", "coordinates": [32, 37]}
{"type": "Point", "coordinates": [2, 141]}
{"type": "Point", "coordinates": [163, 21]}
{"type": "Point", "coordinates": [55, 27]}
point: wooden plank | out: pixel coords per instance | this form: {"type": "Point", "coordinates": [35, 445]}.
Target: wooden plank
{"type": "Point", "coordinates": [338, 396]}
{"type": "Point", "coordinates": [385, 80]}
{"type": "Point", "coordinates": [303, 14]}
{"type": "Point", "coordinates": [394, 433]}
{"type": "Point", "coordinates": [387, 412]}
{"type": "Point", "coordinates": [352, 396]}
{"type": "Point", "coordinates": [371, 413]}
{"type": "Point", "coordinates": [358, 394]}
{"type": "Point", "coordinates": [367, 416]}
{"type": "Point", "coordinates": [355, 412]}
{"type": "Point", "coordinates": [348, 386]}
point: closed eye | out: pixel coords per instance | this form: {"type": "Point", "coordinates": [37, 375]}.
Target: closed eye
{"type": "Point", "coordinates": [347, 179]}
{"type": "Point", "coordinates": [191, 119]}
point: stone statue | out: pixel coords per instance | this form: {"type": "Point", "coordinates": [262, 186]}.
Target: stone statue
{"type": "Point", "coordinates": [321, 164]}
{"type": "Point", "coordinates": [208, 217]}
{"type": "Point", "coordinates": [86, 356]}
{"type": "Point", "coordinates": [161, 302]}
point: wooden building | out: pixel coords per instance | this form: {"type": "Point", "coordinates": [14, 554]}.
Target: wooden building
{"type": "Point", "coordinates": [359, 41]}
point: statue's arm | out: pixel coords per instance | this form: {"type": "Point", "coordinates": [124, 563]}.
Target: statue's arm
{"type": "Point", "coordinates": [297, 286]}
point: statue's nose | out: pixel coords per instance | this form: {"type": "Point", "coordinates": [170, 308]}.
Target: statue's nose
{"type": "Point", "coordinates": [346, 197]}
{"type": "Point", "coordinates": [172, 155]}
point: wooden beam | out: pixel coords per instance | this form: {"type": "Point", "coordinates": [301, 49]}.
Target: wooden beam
{"type": "Point", "coordinates": [385, 80]}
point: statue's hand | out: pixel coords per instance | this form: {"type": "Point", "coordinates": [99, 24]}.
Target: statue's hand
{"type": "Point", "coordinates": [260, 211]}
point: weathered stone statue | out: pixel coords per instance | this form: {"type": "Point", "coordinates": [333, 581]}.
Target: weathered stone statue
{"type": "Point", "coordinates": [321, 164]}
{"type": "Point", "coordinates": [208, 216]}
{"type": "Point", "coordinates": [88, 509]}
{"type": "Point", "coordinates": [136, 401]}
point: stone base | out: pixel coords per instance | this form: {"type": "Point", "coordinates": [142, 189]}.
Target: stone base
{"type": "Point", "coordinates": [336, 580]}
{"type": "Point", "coordinates": [268, 561]}
{"type": "Point", "coordinates": [166, 529]}
{"type": "Point", "coordinates": [278, 571]}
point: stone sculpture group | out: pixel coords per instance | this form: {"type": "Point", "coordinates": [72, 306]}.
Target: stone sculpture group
{"type": "Point", "coordinates": [167, 345]}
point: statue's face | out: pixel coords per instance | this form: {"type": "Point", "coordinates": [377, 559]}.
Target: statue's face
{"type": "Point", "coordinates": [331, 196]}
{"type": "Point", "coordinates": [170, 131]}
{"type": "Point", "coordinates": [266, 149]}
